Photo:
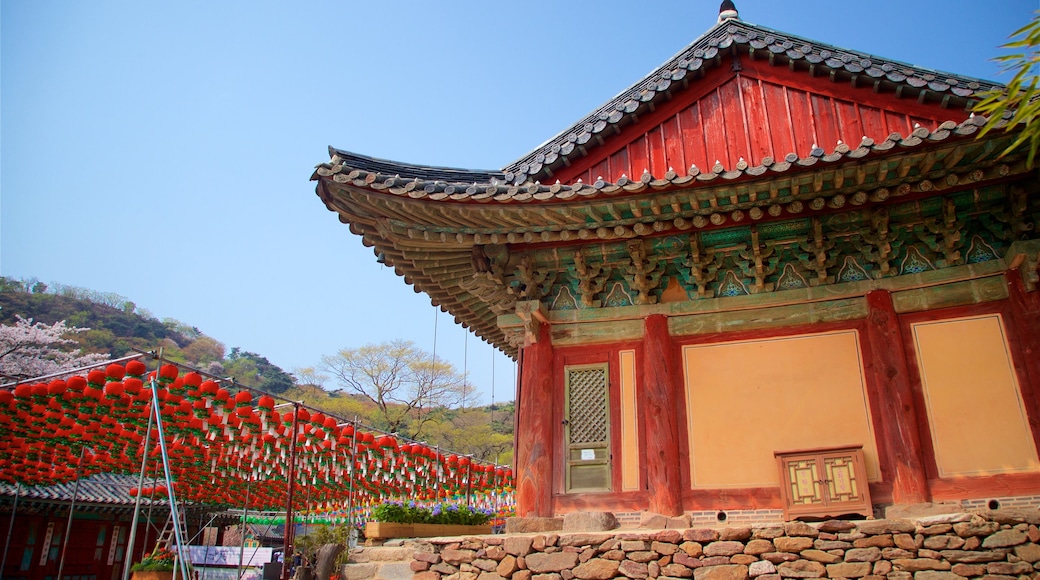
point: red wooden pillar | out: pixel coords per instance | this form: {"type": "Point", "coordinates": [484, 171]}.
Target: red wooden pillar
{"type": "Point", "coordinates": [899, 432]}
{"type": "Point", "coordinates": [660, 417]}
{"type": "Point", "coordinates": [534, 433]}
{"type": "Point", "coordinates": [1025, 309]}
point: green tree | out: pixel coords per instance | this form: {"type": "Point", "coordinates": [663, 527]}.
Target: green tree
{"type": "Point", "coordinates": [1020, 96]}
{"type": "Point", "coordinates": [405, 383]}
{"type": "Point", "coordinates": [253, 370]}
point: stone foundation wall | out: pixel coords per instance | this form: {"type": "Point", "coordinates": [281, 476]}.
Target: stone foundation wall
{"type": "Point", "coordinates": [996, 545]}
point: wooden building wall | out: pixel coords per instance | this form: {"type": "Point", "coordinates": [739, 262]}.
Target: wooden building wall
{"type": "Point", "coordinates": [943, 401]}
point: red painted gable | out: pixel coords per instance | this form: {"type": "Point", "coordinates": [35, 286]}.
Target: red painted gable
{"type": "Point", "coordinates": [754, 112]}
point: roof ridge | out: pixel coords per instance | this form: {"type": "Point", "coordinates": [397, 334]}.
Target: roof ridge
{"type": "Point", "coordinates": [708, 46]}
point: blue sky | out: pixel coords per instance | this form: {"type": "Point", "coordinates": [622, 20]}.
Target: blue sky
{"type": "Point", "coordinates": [162, 152]}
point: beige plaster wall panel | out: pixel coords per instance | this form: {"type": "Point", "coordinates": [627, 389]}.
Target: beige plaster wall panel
{"type": "Point", "coordinates": [747, 399]}
{"type": "Point", "coordinates": [629, 422]}
{"type": "Point", "coordinates": [975, 413]}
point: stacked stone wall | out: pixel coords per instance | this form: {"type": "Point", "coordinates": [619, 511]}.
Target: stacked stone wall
{"type": "Point", "coordinates": [995, 545]}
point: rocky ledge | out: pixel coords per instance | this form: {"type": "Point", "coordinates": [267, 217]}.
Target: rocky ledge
{"type": "Point", "coordinates": [995, 545]}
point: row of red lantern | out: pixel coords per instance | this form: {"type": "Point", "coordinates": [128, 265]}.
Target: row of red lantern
{"type": "Point", "coordinates": [217, 441]}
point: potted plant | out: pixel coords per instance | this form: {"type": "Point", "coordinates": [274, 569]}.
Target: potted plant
{"type": "Point", "coordinates": [400, 520]}
{"type": "Point", "coordinates": [155, 566]}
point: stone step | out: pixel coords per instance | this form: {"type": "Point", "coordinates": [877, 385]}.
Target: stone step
{"type": "Point", "coordinates": [391, 561]}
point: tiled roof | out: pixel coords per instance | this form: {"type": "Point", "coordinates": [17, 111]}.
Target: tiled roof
{"type": "Point", "coordinates": [97, 493]}
{"type": "Point", "coordinates": [518, 180]}
{"type": "Point", "coordinates": [111, 489]}
{"type": "Point", "coordinates": [707, 51]}
{"type": "Point", "coordinates": [341, 170]}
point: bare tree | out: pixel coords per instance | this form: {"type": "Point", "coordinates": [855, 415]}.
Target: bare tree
{"type": "Point", "coordinates": [405, 382]}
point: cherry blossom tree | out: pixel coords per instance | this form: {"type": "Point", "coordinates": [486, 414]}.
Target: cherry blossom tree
{"type": "Point", "coordinates": [29, 349]}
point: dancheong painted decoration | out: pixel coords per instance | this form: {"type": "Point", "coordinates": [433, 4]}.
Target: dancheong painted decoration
{"type": "Point", "coordinates": [767, 245]}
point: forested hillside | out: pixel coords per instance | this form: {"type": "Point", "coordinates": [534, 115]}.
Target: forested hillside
{"type": "Point", "coordinates": [116, 326]}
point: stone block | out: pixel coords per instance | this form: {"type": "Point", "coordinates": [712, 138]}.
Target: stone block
{"type": "Point", "coordinates": [879, 541]}
{"type": "Point", "coordinates": [944, 542]}
{"type": "Point", "coordinates": [689, 562]}
{"type": "Point", "coordinates": [904, 541]}
{"type": "Point", "coordinates": [863, 555]}
{"type": "Point", "coordinates": [801, 569]}
{"type": "Point", "coordinates": [756, 547]}
{"type": "Point", "coordinates": [418, 566]}
{"type": "Point", "coordinates": [664, 548]}
{"type": "Point", "coordinates": [975, 528]}
{"type": "Point", "coordinates": [831, 545]}
{"type": "Point", "coordinates": [585, 539]}
{"type": "Point", "coordinates": [589, 522]}
{"type": "Point", "coordinates": [667, 536]}
{"type": "Point", "coordinates": [760, 568]}
{"type": "Point", "coordinates": [820, 556]}
{"type": "Point", "coordinates": [642, 557]}
{"type": "Point", "coordinates": [529, 525]}
{"type": "Point", "coordinates": [539, 563]}
{"type": "Point", "coordinates": [968, 570]}
{"type": "Point", "coordinates": [971, 557]}
{"type": "Point", "coordinates": [800, 529]}
{"type": "Point", "coordinates": [678, 522]}
{"type": "Point", "coordinates": [702, 535]}
{"type": "Point", "coordinates": [745, 559]}
{"type": "Point", "coordinates": [849, 570]}
{"type": "Point", "coordinates": [489, 576]}
{"type": "Point", "coordinates": [1005, 539]}
{"type": "Point", "coordinates": [920, 511]}
{"type": "Point", "coordinates": [426, 576]}
{"type": "Point", "coordinates": [1012, 516]}
{"type": "Point", "coordinates": [597, 569]}
{"type": "Point", "coordinates": [395, 571]}
{"type": "Point", "coordinates": [485, 564]}
{"type": "Point", "coordinates": [882, 567]}
{"type": "Point", "coordinates": [787, 544]}
{"type": "Point", "coordinates": [632, 569]}
{"type": "Point", "coordinates": [635, 545]}
{"type": "Point", "coordinates": [676, 571]}
{"type": "Point", "coordinates": [778, 557]}
{"type": "Point", "coordinates": [896, 526]}
{"type": "Point", "coordinates": [442, 568]}
{"type": "Point", "coordinates": [735, 534]}
{"type": "Point", "coordinates": [767, 533]}
{"type": "Point", "coordinates": [1009, 569]}
{"type": "Point", "coordinates": [1028, 552]}
{"type": "Point", "coordinates": [519, 545]}
{"type": "Point", "coordinates": [919, 564]}
{"type": "Point", "coordinates": [508, 566]}
{"type": "Point", "coordinates": [693, 549]}
{"type": "Point", "coordinates": [935, 575]}
{"type": "Point", "coordinates": [727, 572]}
{"type": "Point", "coordinates": [726, 548]}
{"type": "Point", "coordinates": [456, 557]}
{"type": "Point", "coordinates": [835, 526]}
{"type": "Point", "coordinates": [522, 575]}
{"type": "Point", "coordinates": [653, 521]}
{"type": "Point", "coordinates": [359, 571]}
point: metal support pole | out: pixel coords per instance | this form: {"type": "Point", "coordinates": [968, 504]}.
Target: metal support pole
{"type": "Point", "coordinates": [245, 512]}
{"type": "Point", "coordinates": [174, 514]}
{"type": "Point", "coordinates": [287, 544]}
{"type": "Point", "coordinates": [10, 527]}
{"type": "Point", "coordinates": [127, 561]}
{"type": "Point", "coordinates": [72, 508]}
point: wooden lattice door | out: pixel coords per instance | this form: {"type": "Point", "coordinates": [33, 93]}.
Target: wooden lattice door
{"type": "Point", "coordinates": [587, 429]}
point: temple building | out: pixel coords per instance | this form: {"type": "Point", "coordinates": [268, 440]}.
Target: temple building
{"type": "Point", "coordinates": [773, 278]}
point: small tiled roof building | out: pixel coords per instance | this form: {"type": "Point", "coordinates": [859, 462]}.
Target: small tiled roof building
{"type": "Point", "coordinates": [766, 245]}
